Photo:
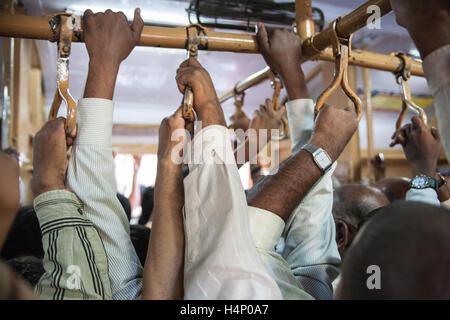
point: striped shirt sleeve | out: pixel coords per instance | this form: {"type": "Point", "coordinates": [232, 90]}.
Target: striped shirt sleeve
{"type": "Point", "coordinates": [91, 176]}
{"type": "Point", "coordinates": [75, 261]}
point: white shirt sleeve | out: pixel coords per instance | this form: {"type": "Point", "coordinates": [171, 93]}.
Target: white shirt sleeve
{"type": "Point", "coordinates": [221, 261]}
{"type": "Point", "coordinates": [91, 177]}
{"type": "Point", "coordinates": [427, 195]}
{"type": "Point", "coordinates": [310, 245]}
{"type": "Point", "coordinates": [300, 114]}
{"type": "Point", "coordinates": [436, 66]}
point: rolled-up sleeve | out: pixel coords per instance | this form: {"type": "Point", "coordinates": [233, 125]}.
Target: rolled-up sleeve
{"type": "Point", "coordinates": [427, 195]}
{"type": "Point", "coordinates": [75, 261]}
{"type": "Point", "coordinates": [221, 261]}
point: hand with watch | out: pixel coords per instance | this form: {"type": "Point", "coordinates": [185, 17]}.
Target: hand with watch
{"type": "Point", "coordinates": [422, 147]}
{"type": "Point", "coordinates": [333, 129]}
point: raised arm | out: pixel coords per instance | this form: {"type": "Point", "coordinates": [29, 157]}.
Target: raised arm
{"type": "Point", "coordinates": [163, 272]}
{"type": "Point", "coordinates": [109, 40]}
{"type": "Point", "coordinates": [332, 130]}
{"type": "Point", "coordinates": [422, 147]}
{"type": "Point", "coordinates": [428, 25]}
{"type": "Point", "coordinates": [309, 231]}
{"type": "Point", "coordinates": [221, 261]}
{"type": "Point", "coordinates": [75, 261]}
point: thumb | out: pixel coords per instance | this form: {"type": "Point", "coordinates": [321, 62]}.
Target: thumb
{"type": "Point", "coordinates": [262, 38]}
{"type": "Point", "coordinates": [137, 25]}
{"type": "Point", "coordinates": [179, 113]}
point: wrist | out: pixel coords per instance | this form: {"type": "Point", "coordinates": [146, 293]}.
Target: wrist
{"type": "Point", "coordinates": [210, 113]}
{"type": "Point", "coordinates": [167, 164]}
{"type": "Point", "coordinates": [294, 82]}
{"type": "Point", "coordinates": [41, 187]}
{"type": "Point", "coordinates": [326, 145]}
{"type": "Point", "coordinates": [101, 79]}
{"type": "Point", "coordinates": [427, 170]}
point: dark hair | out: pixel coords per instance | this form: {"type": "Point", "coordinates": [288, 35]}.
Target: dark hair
{"type": "Point", "coordinates": [147, 205]}
{"type": "Point", "coordinates": [28, 268]}
{"type": "Point", "coordinates": [24, 237]}
{"type": "Point", "coordinates": [125, 204]}
{"type": "Point", "coordinates": [140, 236]}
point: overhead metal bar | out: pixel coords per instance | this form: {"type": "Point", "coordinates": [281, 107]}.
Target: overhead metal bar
{"type": "Point", "coordinates": [260, 77]}
{"type": "Point", "coordinates": [40, 28]}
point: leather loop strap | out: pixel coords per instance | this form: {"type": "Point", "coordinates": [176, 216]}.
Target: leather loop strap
{"type": "Point", "coordinates": [62, 79]}
{"type": "Point", "coordinates": [277, 85]}
{"type": "Point", "coordinates": [195, 38]}
{"type": "Point", "coordinates": [402, 76]}
{"type": "Point", "coordinates": [342, 52]}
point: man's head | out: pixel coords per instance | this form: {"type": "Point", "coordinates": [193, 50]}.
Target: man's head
{"type": "Point", "coordinates": [394, 188]}
{"type": "Point", "coordinates": [24, 237]}
{"type": "Point", "coordinates": [404, 250]}
{"type": "Point", "coordinates": [352, 205]}
{"type": "Point", "coordinates": [29, 268]}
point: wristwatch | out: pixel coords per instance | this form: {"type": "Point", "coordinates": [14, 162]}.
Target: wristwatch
{"type": "Point", "coordinates": [422, 182]}
{"type": "Point", "coordinates": [320, 156]}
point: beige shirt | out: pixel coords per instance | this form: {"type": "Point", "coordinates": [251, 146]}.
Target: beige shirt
{"type": "Point", "coordinates": [221, 261]}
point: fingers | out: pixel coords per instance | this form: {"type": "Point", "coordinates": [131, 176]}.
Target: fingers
{"type": "Point", "coordinates": [186, 76]}
{"type": "Point", "coordinates": [280, 112]}
{"type": "Point", "coordinates": [269, 106]}
{"type": "Point", "coordinates": [88, 18]}
{"type": "Point", "coordinates": [400, 136]}
{"type": "Point", "coordinates": [417, 123]}
{"type": "Point", "coordinates": [138, 25]}
{"type": "Point", "coordinates": [262, 38]}
{"type": "Point", "coordinates": [435, 133]}
{"type": "Point", "coordinates": [191, 62]}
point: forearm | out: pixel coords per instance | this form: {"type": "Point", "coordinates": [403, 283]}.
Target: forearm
{"type": "Point", "coordinates": [101, 80]}
{"type": "Point", "coordinates": [294, 82]}
{"type": "Point", "coordinates": [163, 272]}
{"type": "Point", "coordinates": [265, 195]}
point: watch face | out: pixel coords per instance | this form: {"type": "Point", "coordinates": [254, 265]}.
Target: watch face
{"type": "Point", "coordinates": [322, 160]}
{"type": "Point", "coordinates": [419, 182]}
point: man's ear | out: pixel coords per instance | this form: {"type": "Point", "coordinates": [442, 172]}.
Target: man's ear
{"type": "Point", "coordinates": [342, 235]}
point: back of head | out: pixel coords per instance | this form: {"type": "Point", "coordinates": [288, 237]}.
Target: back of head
{"type": "Point", "coordinates": [147, 205]}
{"type": "Point", "coordinates": [24, 237]}
{"type": "Point", "coordinates": [353, 202]}
{"type": "Point", "coordinates": [402, 252]}
{"type": "Point", "coordinates": [28, 268]}
{"type": "Point", "coordinates": [395, 188]}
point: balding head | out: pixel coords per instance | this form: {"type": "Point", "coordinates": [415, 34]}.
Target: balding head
{"type": "Point", "coordinates": [394, 188]}
{"type": "Point", "coordinates": [352, 205]}
{"type": "Point", "coordinates": [410, 244]}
